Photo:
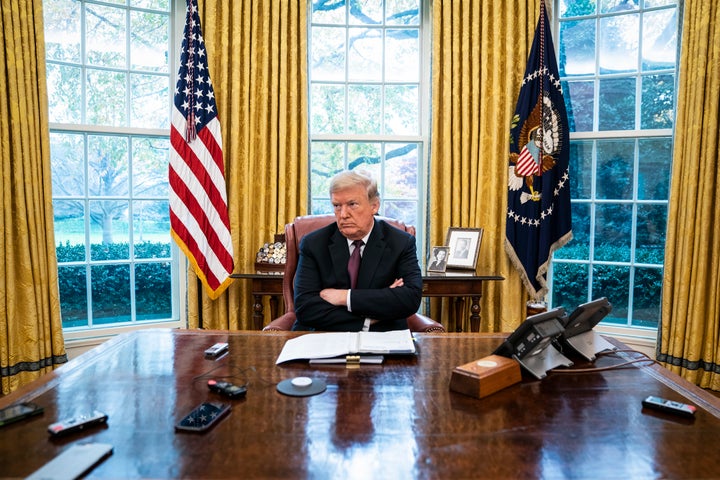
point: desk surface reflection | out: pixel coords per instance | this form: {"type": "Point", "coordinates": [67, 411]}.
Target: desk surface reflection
{"type": "Point", "coordinates": [395, 420]}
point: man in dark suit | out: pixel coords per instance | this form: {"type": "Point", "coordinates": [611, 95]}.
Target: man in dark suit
{"type": "Point", "coordinates": [389, 283]}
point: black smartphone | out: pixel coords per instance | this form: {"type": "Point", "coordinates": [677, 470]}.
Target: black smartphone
{"type": "Point", "coordinates": [13, 413]}
{"type": "Point", "coordinates": [203, 417]}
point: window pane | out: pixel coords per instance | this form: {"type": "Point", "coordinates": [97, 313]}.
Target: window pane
{"type": "Point", "coordinates": [655, 167]}
{"type": "Point", "coordinates": [108, 166]}
{"type": "Point", "coordinates": [405, 211]}
{"type": "Point", "coordinates": [153, 291]}
{"type": "Point", "coordinates": [573, 8]}
{"type": "Point", "coordinates": [149, 41]}
{"type": "Point", "coordinates": [151, 229]}
{"type": "Point", "coordinates": [402, 12]}
{"type": "Point", "coordinates": [69, 218]}
{"type": "Point", "coordinates": [578, 247]}
{"type": "Point", "coordinates": [62, 30]}
{"type": "Point", "coordinates": [570, 284]}
{"type": "Point", "coordinates": [68, 164]}
{"type": "Point", "coordinates": [660, 39]}
{"type": "Point", "coordinates": [615, 169]}
{"type": "Point", "coordinates": [327, 158]}
{"type": "Point", "coordinates": [364, 109]}
{"type": "Point", "coordinates": [613, 282]}
{"type": "Point", "coordinates": [402, 55]}
{"type": "Point", "coordinates": [363, 154]}
{"type": "Point", "coordinates": [328, 109]}
{"type": "Point", "coordinates": [619, 43]}
{"type": "Point", "coordinates": [366, 12]}
{"type": "Point", "coordinates": [607, 6]}
{"type": "Point", "coordinates": [106, 98]}
{"type": "Point", "coordinates": [658, 102]}
{"type": "Point", "coordinates": [149, 101]}
{"type": "Point", "coordinates": [401, 167]}
{"type": "Point", "coordinates": [152, 4]}
{"type": "Point", "coordinates": [365, 54]}
{"type": "Point", "coordinates": [577, 47]}
{"type": "Point", "coordinates": [149, 160]}
{"type": "Point", "coordinates": [581, 170]}
{"type": "Point", "coordinates": [329, 13]}
{"type": "Point", "coordinates": [110, 294]}
{"type": "Point", "coordinates": [321, 206]}
{"type": "Point", "coordinates": [328, 54]}
{"type": "Point", "coordinates": [105, 36]}
{"type": "Point", "coordinates": [109, 236]}
{"type": "Point", "coordinates": [646, 297]}
{"type": "Point", "coordinates": [617, 97]}
{"type": "Point", "coordinates": [64, 100]}
{"type": "Point", "coordinates": [579, 102]}
{"type": "Point", "coordinates": [651, 222]}
{"type": "Point", "coordinates": [73, 292]}
{"type": "Point", "coordinates": [612, 232]}
{"type": "Point", "coordinates": [659, 3]}
{"type": "Point", "coordinates": [401, 110]}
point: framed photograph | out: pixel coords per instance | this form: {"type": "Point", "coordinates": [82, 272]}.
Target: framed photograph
{"type": "Point", "coordinates": [464, 245]}
{"type": "Point", "coordinates": [438, 259]}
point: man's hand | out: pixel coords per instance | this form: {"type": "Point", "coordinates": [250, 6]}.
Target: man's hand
{"type": "Point", "coordinates": [334, 296]}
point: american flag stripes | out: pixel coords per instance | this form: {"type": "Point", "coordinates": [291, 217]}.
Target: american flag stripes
{"type": "Point", "coordinates": [199, 218]}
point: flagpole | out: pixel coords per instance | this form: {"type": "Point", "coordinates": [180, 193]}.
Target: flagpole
{"type": "Point", "coordinates": [542, 85]}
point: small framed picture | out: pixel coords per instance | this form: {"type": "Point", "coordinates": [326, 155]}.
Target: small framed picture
{"type": "Point", "coordinates": [464, 245]}
{"type": "Point", "coordinates": [438, 259]}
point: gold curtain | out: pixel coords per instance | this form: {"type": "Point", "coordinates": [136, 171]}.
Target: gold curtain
{"type": "Point", "coordinates": [689, 340]}
{"type": "Point", "coordinates": [257, 59]}
{"type": "Point", "coordinates": [479, 54]}
{"type": "Point", "coordinates": [31, 341]}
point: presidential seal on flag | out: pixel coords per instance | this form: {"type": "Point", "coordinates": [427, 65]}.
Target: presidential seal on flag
{"type": "Point", "coordinates": [538, 215]}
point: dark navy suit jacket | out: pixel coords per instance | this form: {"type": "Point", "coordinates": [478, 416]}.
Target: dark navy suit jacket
{"type": "Point", "coordinates": [389, 254]}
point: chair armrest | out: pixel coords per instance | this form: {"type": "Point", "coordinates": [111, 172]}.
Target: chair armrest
{"type": "Point", "coordinates": [282, 323]}
{"type": "Point", "coordinates": [421, 323]}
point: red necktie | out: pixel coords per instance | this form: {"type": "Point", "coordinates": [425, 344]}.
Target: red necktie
{"type": "Point", "coordinates": [354, 263]}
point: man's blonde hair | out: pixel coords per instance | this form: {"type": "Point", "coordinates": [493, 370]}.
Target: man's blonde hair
{"type": "Point", "coordinates": [353, 178]}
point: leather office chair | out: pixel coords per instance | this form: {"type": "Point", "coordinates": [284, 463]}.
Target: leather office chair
{"type": "Point", "coordinates": [294, 232]}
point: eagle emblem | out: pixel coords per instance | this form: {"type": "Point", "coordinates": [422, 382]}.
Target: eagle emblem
{"type": "Point", "coordinates": [541, 140]}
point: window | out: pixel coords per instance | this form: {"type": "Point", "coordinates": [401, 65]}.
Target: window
{"type": "Point", "coordinates": [617, 64]}
{"type": "Point", "coordinates": [367, 101]}
{"type": "Point", "coordinates": [109, 81]}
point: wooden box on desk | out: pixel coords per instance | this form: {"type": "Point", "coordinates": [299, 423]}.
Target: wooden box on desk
{"type": "Point", "coordinates": [486, 376]}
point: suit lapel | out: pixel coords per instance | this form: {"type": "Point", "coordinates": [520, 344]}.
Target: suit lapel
{"type": "Point", "coordinates": [372, 255]}
{"type": "Point", "coordinates": [339, 255]}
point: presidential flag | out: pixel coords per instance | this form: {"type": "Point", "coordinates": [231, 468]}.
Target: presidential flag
{"type": "Point", "coordinates": [199, 219]}
{"type": "Point", "coordinates": [538, 212]}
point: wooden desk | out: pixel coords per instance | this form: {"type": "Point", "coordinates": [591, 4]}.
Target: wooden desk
{"type": "Point", "coordinates": [453, 285]}
{"type": "Point", "coordinates": [397, 420]}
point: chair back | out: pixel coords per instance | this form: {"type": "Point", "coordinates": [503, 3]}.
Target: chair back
{"type": "Point", "coordinates": [294, 233]}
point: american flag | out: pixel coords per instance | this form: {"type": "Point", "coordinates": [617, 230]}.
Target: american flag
{"type": "Point", "coordinates": [199, 219]}
{"type": "Point", "coordinates": [526, 164]}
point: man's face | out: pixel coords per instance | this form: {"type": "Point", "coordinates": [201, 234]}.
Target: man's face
{"type": "Point", "coordinates": [441, 255]}
{"type": "Point", "coordinates": [354, 212]}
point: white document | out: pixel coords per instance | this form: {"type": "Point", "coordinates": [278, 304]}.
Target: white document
{"type": "Point", "coordinates": [335, 344]}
